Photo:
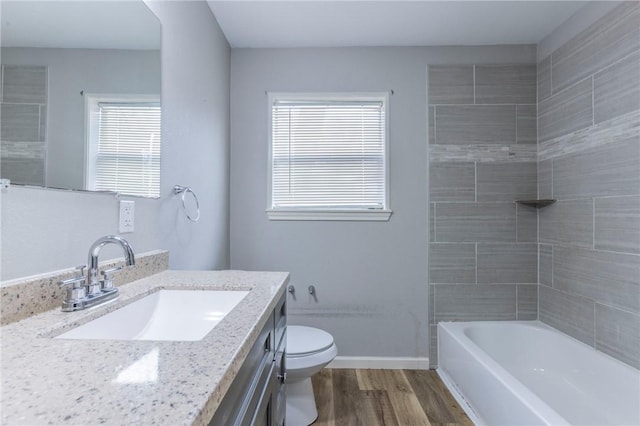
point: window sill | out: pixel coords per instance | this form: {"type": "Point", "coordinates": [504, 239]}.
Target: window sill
{"type": "Point", "coordinates": [333, 215]}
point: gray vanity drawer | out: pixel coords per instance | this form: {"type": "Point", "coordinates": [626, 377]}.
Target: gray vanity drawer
{"type": "Point", "coordinates": [240, 401]}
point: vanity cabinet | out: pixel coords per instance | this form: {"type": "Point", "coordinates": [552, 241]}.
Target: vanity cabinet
{"type": "Point", "coordinates": [257, 394]}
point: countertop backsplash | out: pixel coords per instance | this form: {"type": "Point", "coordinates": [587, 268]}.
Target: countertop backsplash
{"type": "Point", "coordinates": [21, 298]}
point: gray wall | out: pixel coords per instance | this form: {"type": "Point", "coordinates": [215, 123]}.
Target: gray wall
{"type": "Point", "coordinates": [44, 230]}
{"type": "Point", "coordinates": [483, 255]}
{"type": "Point", "coordinates": [371, 278]}
{"type": "Point", "coordinates": [71, 71]}
{"type": "Point", "coordinates": [589, 159]}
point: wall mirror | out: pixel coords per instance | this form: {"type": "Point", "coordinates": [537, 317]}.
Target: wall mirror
{"type": "Point", "coordinates": [80, 99]}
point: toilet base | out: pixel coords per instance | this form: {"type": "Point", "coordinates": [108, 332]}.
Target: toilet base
{"type": "Point", "coordinates": [301, 403]}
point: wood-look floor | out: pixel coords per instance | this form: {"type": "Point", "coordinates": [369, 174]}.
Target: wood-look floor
{"type": "Point", "coordinates": [384, 397]}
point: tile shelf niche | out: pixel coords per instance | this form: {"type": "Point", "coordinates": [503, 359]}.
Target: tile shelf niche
{"type": "Point", "coordinates": [536, 203]}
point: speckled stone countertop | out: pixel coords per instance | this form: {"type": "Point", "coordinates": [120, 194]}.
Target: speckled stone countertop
{"type": "Point", "coordinates": [86, 382]}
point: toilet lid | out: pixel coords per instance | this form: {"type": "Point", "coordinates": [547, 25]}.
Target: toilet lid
{"type": "Point", "coordinates": [307, 340]}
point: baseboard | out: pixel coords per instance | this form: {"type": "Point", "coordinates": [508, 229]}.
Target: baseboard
{"type": "Point", "coordinates": [380, 363]}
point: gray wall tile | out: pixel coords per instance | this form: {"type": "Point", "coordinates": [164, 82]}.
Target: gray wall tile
{"type": "Point", "coordinates": [506, 181]}
{"type": "Point", "coordinates": [42, 135]}
{"type": "Point", "coordinates": [527, 123]}
{"type": "Point", "coordinates": [432, 304]}
{"type": "Point", "coordinates": [545, 264]}
{"type": "Point", "coordinates": [432, 222]}
{"type": "Point", "coordinates": [475, 302]}
{"type": "Point", "coordinates": [452, 181]}
{"type": "Point", "coordinates": [452, 263]}
{"type": "Point", "coordinates": [545, 179]}
{"type": "Point", "coordinates": [568, 222]}
{"type": "Point", "coordinates": [606, 277]}
{"type": "Point", "coordinates": [27, 171]}
{"type": "Point", "coordinates": [612, 169]}
{"type": "Point", "coordinates": [609, 39]}
{"type": "Point", "coordinates": [484, 153]}
{"type": "Point", "coordinates": [20, 123]}
{"type": "Point", "coordinates": [507, 263]}
{"type": "Point", "coordinates": [616, 90]}
{"type": "Point", "coordinates": [544, 78]}
{"type": "Point", "coordinates": [472, 222]}
{"type": "Point", "coordinates": [618, 334]}
{"type": "Point", "coordinates": [432, 122]}
{"type": "Point", "coordinates": [451, 84]}
{"type": "Point", "coordinates": [474, 124]}
{"type": "Point", "coordinates": [527, 224]}
{"type": "Point", "coordinates": [506, 84]}
{"type": "Point", "coordinates": [617, 224]}
{"type": "Point", "coordinates": [433, 346]}
{"type": "Point", "coordinates": [527, 302]}
{"type": "Point", "coordinates": [566, 112]}
{"type": "Point", "coordinates": [24, 84]}
{"type": "Point", "coordinates": [573, 315]}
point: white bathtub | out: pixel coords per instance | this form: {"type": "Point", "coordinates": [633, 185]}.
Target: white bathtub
{"type": "Point", "coordinates": [526, 373]}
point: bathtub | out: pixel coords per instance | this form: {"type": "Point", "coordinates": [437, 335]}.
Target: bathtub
{"type": "Point", "coordinates": [527, 373]}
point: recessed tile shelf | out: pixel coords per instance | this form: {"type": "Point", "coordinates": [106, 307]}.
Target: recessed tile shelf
{"type": "Point", "coordinates": [536, 203]}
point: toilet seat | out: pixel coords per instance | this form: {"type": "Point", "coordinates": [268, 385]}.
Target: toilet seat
{"type": "Point", "coordinates": [305, 341]}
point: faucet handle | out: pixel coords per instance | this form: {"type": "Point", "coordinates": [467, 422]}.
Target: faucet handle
{"type": "Point", "coordinates": [107, 282]}
{"type": "Point", "coordinates": [76, 281]}
{"type": "Point", "coordinates": [75, 287]}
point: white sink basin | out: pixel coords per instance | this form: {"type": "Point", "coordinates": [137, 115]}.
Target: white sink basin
{"type": "Point", "coordinates": [178, 315]}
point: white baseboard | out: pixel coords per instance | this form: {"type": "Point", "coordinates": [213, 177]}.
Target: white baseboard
{"type": "Point", "coordinates": [380, 363]}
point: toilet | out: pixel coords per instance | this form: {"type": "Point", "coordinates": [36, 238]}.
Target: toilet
{"type": "Point", "coordinates": [309, 350]}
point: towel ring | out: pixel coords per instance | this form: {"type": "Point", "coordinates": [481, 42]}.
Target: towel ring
{"type": "Point", "coordinates": [178, 189]}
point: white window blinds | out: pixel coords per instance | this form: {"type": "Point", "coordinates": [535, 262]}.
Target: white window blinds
{"type": "Point", "coordinates": [128, 152]}
{"type": "Point", "coordinates": [328, 154]}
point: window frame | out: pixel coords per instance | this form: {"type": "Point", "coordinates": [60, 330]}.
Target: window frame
{"type": "Point", "coordinates": [329, 214]}
{"type": "Point", "coordinates": [92, 110]}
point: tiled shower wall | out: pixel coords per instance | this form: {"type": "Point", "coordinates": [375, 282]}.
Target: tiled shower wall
{"type": "Point", "coordinates": [589, 160]}
{"type": "Point", "coordinates": [23, 125]}
{"type": "Point", "coordinates": [482, 146]}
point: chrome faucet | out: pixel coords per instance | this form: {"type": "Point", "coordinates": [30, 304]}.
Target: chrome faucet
{"type": "Point", "coordinates": [84, 292]}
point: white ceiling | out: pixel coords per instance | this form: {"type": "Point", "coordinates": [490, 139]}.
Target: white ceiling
{"type": "Point", "coordinates": [309, 23]}
{"type": "Point", "coordinates": [79, 24]}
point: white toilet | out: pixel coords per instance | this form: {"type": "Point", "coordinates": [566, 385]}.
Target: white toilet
{"type": "Point", "coordinates": [309, 350]}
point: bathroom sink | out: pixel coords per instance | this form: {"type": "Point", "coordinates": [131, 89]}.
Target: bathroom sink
{"type": "Point", "coordinates": [177, 315]}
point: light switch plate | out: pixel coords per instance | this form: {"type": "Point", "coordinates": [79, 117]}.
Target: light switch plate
{"type": "Point", "coordinates": [127, 216]}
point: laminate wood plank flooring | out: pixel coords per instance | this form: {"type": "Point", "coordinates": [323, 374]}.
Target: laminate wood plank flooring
{"type": "Point", "coordinates": [346, 397]}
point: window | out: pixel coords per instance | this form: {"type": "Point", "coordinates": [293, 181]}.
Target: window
{"type": "Point", "coordinates": [123, 149]}
{"type": "Point", "coordinates": [328, 157]}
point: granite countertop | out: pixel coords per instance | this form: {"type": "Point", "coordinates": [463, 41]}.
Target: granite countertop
{"type": "Point", "coordinates": [59, 381]}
